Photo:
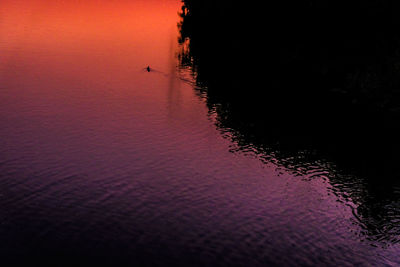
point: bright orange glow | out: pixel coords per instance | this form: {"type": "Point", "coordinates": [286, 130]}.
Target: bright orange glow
{"type": "Point", "coordinates": [113, 29]}
{"type": "Point", "coordinates": [87, 51]}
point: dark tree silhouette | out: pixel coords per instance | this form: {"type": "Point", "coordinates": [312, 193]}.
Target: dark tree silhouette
{"type": "Point", "coordinates": [320, 79]}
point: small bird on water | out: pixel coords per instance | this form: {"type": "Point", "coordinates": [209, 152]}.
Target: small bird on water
{"type": "Point", "coordinates": [148, 69]}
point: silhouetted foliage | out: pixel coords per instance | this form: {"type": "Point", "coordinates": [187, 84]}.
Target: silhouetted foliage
{"type": "Point", "coordinates": [298, 49]}
{"type": "Point", "coordinates": [321, 77]}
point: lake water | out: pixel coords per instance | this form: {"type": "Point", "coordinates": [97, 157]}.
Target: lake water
{"type": "Point", "coordinates": [102, 162]}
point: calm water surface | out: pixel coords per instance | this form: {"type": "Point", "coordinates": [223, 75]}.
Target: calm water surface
{"type": "Point", "coordinates": [102, 162]}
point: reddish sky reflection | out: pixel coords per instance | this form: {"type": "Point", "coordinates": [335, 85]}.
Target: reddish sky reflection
{"type": "Point", "coordinates": [92, 133]}
{"type": "Point", "coordinates": [131, 34]}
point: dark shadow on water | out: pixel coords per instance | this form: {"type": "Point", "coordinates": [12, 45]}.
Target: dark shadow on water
{"type": "Point", "coordinates": [309, 86]}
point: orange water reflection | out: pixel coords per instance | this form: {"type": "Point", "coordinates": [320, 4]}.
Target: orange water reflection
{"type": "Point", "coordinates": [98, 33]}
{"type": "Point", "coordinates": [92, 146]}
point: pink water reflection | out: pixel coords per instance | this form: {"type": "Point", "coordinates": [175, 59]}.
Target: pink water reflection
{"type": "Point", "coordinates": [97, 152]}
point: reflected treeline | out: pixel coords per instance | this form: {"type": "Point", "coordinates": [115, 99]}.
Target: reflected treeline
{"type": "Point", "coordinates": [308, 82]}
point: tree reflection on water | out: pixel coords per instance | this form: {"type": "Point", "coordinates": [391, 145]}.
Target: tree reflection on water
{"type": "Point", "coordinates": [310, 86]}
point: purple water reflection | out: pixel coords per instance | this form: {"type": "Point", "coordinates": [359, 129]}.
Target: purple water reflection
{"type": "Point", "coordinates": [102, 162]}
